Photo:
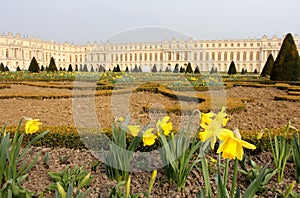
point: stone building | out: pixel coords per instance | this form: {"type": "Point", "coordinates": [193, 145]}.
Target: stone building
{"type": "Point", "coordinates": [249, 54]}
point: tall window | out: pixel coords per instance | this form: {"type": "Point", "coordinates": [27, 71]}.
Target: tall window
{"type": "Point", "coordinates": [177, 56]}
{"type": "Point", "coordinates": [145, 56]}
{"type": "Point", "coordinates": [7, 53]}
{"type": "Point", "coordinates": [244, 56]}
{"type": "Point", "coordinates": [195, 56]}
{"type": "Point", "coordinates": [238, 56]}
{"type": "Point", "coordinates": [257, 55]}
{"type": "Point", "coordinates": [251, 56]}
{"type": "Point", "coordinates": [213, 56]}
{"type": "Point", "coordinates": [225, 56]}
{"type": "Point", "coordinates": [219, 56]}
{"type": "Point", "coordinates": [169, 56]}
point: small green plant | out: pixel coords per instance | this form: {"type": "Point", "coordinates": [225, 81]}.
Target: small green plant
{"type": "Point", "coordinates": [176, 153]}
{"type": "Point", "coordinates": [118, 192]}
{"type": "Point", "coordinates": [281, 149]}
{"type": "Point", "coordinates": [253, 171]}
{"type": "Point", "coordinates": [13, 166]}
{"type": "Point", "coordinates": [296, 155]}
{"type": "Point", "coordinates": [120, 153]}
{"type": "Point", "coordinates": [46, 160]}
{"type": "Point", "coordinates": [67, 181]}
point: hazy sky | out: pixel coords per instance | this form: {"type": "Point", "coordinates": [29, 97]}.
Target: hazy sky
{"type": "Point", "coordinates": [80, 21]}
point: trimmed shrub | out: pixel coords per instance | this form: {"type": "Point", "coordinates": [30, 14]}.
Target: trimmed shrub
{"type": "Point", "coordinates": [92, 68]}
{"type": "Point", "coordinates": [197, 70]}
{"type": "Point", "coordinates": [189, 68]}
{"type": "Point", "coordinates": [176, 68]}
{"type": "Point", "coordinates": [52, 66]}
{"type": "Point", "coordinates": [287, 64]}
{"type": "Point", "coordinates": [127, 70]}
{"type": "Point", "coordinates": [33, 67]}
{"type": "Point", "coordinates": [85, 69]}
{"type": "Point", "coordinates": [70, 69]}
{"type": "Point", "coordinates": [76, 67]}
{"type": "Point", "coordinates": [182, 70]}
{"type": "Point", "coordinates": [18, 68]}
{"type": "Point", "coordinates": [42, 68]}
{"type": "Point", "coordinates": [232, 68]}
{"type": "Point", "coordinates": [135, 69]}
{"type": "Point", "coordinates": [268, 66]}
{"type": "Point", "coordinates": [154, 69]}
{"type": "Point", "coordinates": [2, 68]}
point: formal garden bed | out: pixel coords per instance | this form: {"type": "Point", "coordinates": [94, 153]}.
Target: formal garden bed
{"type": "Point", "coordinates": [252, 105]}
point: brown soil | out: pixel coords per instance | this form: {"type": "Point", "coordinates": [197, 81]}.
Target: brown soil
{"type": "Point", "coordinates": [262, 112]}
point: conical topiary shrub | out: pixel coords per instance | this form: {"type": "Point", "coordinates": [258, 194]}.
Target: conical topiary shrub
{"type": "Point", "coordinates": [268, 66]}
{"type": "Point", "coordinates": [34, 66]}
{"type": "Point", "coordinates": [287, 64]}
{"type": "Point", "coordinates": [232, 69]}
{"type": "Point", "coordinates": [52, 66]}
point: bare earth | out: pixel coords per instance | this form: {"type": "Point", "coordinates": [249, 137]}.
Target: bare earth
{"type": "Point", "coordinates": [262, 112]}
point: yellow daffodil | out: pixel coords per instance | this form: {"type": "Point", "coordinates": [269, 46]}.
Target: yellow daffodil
{"type": "Point", "coordinates": [32, 125]}
{"type": "Point", "coordinates": [260, 134]}
{"type": "Point", "coordinates": [232, 145]}
{"type": "Point", "coordinates": [164, 125]}
{"type": "Point", "coordinates": [149, 137]}
{"type": "Point", "coordinates": [212, 125]}
{"type": "Point", "coordinates": [134, 130]}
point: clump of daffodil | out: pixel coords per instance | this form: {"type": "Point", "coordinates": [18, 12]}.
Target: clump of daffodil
{"type": "Point", "coordinates": [164, 126]}
{"type": "Point", "coordinates": [232, 145]}
{"type": "Point", "coordinates": [32, 125]}
{"type": "Point", "coordinates": [212, 125]}
{"type": "Point", "coordinates": [148, 137]}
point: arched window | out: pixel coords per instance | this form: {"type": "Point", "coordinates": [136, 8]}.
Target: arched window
{"type": "Point", "coordinates": [231, 55]}
{"type": "Point", "coordinates": [169, 56]}
{"type": "Point", "coordinates": [219, 57]}
{"type": "Point", "coordinates": [177, 56]}
{"type": "Point", "coordinates": [225, 56]}
{"type": "Point", "coordinates": [207, 56]}
{"type": "Point", "coordinates": [238, 56]}
{"type": "Point", "coordinates": [244, 56]}
{"type": "Point", "coordinates": [155, 56]}
{"type": "Point", "coordinates": [150, 56]}
{"type": "Point", "coordinates": [251, 56]}
{"type": "Point", "coordinates": [213, 56]}
{"type": "Point", "coordinates": [145, 57]}
{"type": "Point", "coordinates": [201, 55]}
{"type": "Point", "coordinates": [141, 56]}
{"type": "Point", "coordinates": [195, 56]}
{"type": "Point", "coordinates": [257, 56]}
{"type": "Point", "coordinates": [7, 53]}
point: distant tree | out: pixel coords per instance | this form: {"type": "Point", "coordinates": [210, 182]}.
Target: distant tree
{"type": "Point", "coordinates": [42, 68]}
{"type": "Point", "coordinates": [232, 69]}
{"type": "Point", "coordinates": [118, 68]}
{"type": "Point", "coordinates": [46, 68]}
{"type": "Point", "coordinates": [60, 68]}
{"type": "Point", "coordinates": [92, 68]}
{"type": "Point", "coordinates": [101, 69]}
{"type": "Point", "coordinates": [109, 70]}
{"type": "Point", "coordinates": [85, 69]}
{"type": "Point", "coordinates": [6, 68]}
{"type": "Point", "coordinates": [243, 71]}
{"type": "Point", "coordinates": [197, 70]}
{"type": "Point", "coordinates": [255, 71]}
{"type": "Point", "coordinates": [154, 69]}
{"type": "Point", "coordinates": [212, 71]}
{"type": "Point", "coordinates": [140, 69]}
{"type": "Point", "coordinates": [176, 68]}
{"type": "Point", "coordinates": [135, 69]}
{"type": "Point", "coordinates": [76, 67]}
{"type": "Point", "coordinates": [287, 64]}
{"type": "Point", "coordinates": [33, 66]}
{"type": "Point", "coordinates": [246, 71]}
{"type": "Point", "coordinates": [126, 70]}
{"type": "Point", "coordinates": [70, 69]}
{"type": "Point", "coordinates": [181, 70]}
{"type": "Point", "coordinates": [2, 68]}
{"type": "Point", "coordinates": [52, 66]}
{"type": "Point", "coordinates": [189, 68]}
{"type": "Point", "coordinates": [80, 68]}
{"type": "Point", "coordinates": [18, 68]}
{"type": "Point", "coordinates": [268, 66]}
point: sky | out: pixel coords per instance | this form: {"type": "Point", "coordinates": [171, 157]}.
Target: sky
{"type": "Point", "coordinates": [79, 22]}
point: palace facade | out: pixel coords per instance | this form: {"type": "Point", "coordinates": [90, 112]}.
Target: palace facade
{"type": "Point", "coordinates": [250, 54]}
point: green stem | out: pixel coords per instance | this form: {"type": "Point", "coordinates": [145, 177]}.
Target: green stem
{"type": "Point", "coordinates": [206, 177]}
{"type": "Point", "coordinates": [236, 162]}
{"type": "Point", "coordinates": [225, 177]}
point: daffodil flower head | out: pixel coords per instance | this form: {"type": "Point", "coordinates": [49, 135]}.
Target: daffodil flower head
{"type": "Point", "coordinates": [164, 125]}
{"type": "Point", "coordinates": [32, 125]}
{"type": "Point", "coordinates": [232, 145]}
{"type": "Point", "coordinates": [134, 130]}
{"type": "Point", "coordinates": [212, 125]}
{"type": "Point", "coordinates": [149, 137]}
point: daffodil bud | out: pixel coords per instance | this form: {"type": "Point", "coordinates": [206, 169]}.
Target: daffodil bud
{"type": "Point", "coordinates": [237, 134]}
{"type": "Point", "coordinates": [152, 180]}
{"type": "Point", "coordinates": [61, 190]}
{"type": "Point", "coordinates": [128, 187]}
{"type": "Point", "coordinates": [84, 181]}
